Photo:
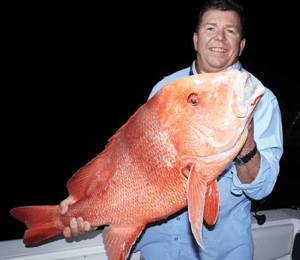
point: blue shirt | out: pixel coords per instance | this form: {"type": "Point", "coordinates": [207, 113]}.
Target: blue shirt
{"type": "Point", "coordinates": [230, 238]}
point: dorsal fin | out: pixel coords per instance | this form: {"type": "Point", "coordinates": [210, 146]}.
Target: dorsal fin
{"type": "Point", "coordinates": [87, 178]}
{"type": "Point", "coordinates": [115, 137]}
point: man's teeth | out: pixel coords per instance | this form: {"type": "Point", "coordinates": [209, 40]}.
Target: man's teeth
{"type": "Point", "coordinates": [218, 50]}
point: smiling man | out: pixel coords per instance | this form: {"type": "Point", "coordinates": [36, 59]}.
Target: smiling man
{"type": "Point", "coordinates": [219, 41]}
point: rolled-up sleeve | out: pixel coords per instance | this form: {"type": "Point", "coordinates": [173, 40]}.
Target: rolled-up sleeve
{"type": "Point", "coordinates": [268, 138]}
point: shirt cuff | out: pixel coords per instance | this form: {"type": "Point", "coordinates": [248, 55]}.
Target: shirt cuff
{"type": "Point", "coordinates": [254, 189]}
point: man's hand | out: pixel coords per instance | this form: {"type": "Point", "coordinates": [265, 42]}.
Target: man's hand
{"type": "Point", "coordinates": [248, 171]}
{"type": "Point", "coordinates": [250, 143]}
{"type": "Point", "coordinates": [77, 226]}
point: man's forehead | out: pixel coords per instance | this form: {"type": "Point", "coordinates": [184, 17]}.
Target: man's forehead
{"type": "Point", "coordinates": [217, 23]}
{"type": "Point", "coordinates": [215, 17]}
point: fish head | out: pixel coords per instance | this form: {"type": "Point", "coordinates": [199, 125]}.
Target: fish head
{"type": "Point", "coordinates": [208, 115]}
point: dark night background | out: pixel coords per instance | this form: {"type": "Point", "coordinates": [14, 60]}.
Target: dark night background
{"type": "Point", "coordinates": [76, 73]}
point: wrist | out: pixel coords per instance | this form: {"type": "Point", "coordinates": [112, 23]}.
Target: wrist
{"type": "Point", "coordinates": [247, 148]}
{"type": "Point", "coordinates": [245, 156]}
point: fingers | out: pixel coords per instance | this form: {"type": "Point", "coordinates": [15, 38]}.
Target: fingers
{"type": "Point", "coordinates": [64, 205]}
{"type": "Point", "coordinates": [251, 131]}
{"type": "Point", "coordinates": [78, 226]}
{"type": "Point", "coordinates": [74, 227]}
{"type": "Point", "coordinates": [82, 227]}
{"type": "Point", "coordinates": [251, 126]}
{"type": "Point", "coordinates": [67, 232]}
{"type": "Point", "coordinates": [86, 226]}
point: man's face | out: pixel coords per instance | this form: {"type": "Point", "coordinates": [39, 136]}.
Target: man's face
{"type": "Point", "coordinates": [219, 40]}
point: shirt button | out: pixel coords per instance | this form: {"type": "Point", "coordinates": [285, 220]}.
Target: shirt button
{"type": "Point", "coordinates": [178, 218]}
{"type": "Point", "coordinates": [176, 238]}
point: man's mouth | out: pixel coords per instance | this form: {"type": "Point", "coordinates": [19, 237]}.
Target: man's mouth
{"type": "Point", "coordinates": [218, 50]}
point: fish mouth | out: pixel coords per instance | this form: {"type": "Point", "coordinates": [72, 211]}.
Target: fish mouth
{"type": "Point", "coordinates": [230, 153]}
{"type": "Point", "coordinates": [245, 96]}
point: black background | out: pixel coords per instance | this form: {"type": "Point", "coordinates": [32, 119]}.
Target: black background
{"type": "Point", "coordinates": [74, 74]}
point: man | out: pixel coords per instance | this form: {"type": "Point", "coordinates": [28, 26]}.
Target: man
{"type": "Point", "coordinates": [219, 41]}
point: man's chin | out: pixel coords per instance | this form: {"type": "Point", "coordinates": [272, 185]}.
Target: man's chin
{"type": "Point", "coordinates": [216, 66]}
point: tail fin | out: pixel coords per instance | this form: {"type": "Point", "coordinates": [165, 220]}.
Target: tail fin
{"type": "Point", "coordinates": [43, 222]}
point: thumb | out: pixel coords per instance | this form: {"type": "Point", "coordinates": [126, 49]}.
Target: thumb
{"type": "Point", "coordinates": [64, 205]}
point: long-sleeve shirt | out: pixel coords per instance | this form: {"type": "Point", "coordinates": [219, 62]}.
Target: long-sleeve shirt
{"type": "Point", "coordinates": [230, 237]}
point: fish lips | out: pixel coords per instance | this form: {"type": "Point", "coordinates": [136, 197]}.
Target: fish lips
{"type": "Point", "coordinates": [245, 96]}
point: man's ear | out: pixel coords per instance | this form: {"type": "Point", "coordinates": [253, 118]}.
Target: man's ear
{"type": "Point", "coordinates": [195, 40]}
{"type": "Point", "coordinates": [242, 46]}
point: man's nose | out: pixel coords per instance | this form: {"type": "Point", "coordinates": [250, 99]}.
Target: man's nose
{"type": "Point", "coordinates": [220, 36]}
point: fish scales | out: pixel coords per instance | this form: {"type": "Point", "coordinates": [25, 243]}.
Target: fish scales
{"type": "Point", "coordinates": [148, 167]}
{"type": "Point", "coordinates": [167, 156]}
{"type": "Point", "coordinates": [140, 155]}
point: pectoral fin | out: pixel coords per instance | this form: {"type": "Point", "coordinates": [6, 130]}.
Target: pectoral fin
{"type": "Point", "coordinates": [119, 240]}
{"type": "Point", "coordinates": [197, 186]}
{"type": "Point", "coordinates": [212, 202]}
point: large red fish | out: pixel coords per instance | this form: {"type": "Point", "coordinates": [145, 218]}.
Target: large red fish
{"type": "Point", "coordinates": [168, 155]}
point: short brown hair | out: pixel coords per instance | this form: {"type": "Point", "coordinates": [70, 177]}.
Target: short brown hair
{"type": "Point", "coordinates": [223, 5]}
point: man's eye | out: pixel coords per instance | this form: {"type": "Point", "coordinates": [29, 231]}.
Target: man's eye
{"type": "Point", "coordinates": [210, 28]}
{"type": "Point", "coordinates": [230, 31]}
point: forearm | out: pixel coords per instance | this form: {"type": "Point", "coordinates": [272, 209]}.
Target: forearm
{"type": "Point", "coordinates": [248, 171]}
{"type": "Point", "coordinates": [257, 177]}
{"type": "Point", "coordinates": [249, 168]}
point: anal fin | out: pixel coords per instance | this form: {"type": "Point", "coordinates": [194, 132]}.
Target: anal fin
{"type": "Point", "coordinates": [119, 240]}
{"type": "Point", "coordinates": [212, 202]}
{"type": "Point", "coordinates": [197, 186]}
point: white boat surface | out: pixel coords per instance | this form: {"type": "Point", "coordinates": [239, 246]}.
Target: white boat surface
{"type": "Point", "coordinates": [273, 240]}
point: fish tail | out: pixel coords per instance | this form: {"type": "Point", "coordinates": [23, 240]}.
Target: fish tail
{"type": "Point", "coordinates": [43, 222]}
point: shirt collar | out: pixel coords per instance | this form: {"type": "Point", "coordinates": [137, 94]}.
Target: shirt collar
{"type": "Point", "coordinates": [236, 66]}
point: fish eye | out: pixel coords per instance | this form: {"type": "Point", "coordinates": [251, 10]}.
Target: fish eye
{"type": "Point", "coordinates": [193, 99]}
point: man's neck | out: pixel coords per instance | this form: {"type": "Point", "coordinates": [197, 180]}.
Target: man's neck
{"type": "Point", "coordinates": [236, 66]}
